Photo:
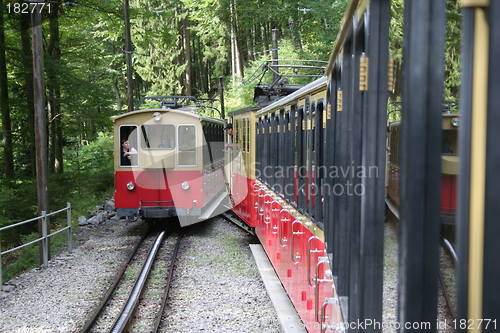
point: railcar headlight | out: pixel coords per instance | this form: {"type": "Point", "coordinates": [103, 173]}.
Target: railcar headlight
{"type": "Point", "coordinates": [130, 186]}
{"type": "Point", "coordinates": [455, 121]}
{"type": "Point", "coordinates": [156, 116]}
{"type": "Point", "coordinates": [185, 185]}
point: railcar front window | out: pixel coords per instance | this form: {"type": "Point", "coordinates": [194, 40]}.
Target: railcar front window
{"type": "Point", "coordinates": [158, 137]}
{"type": "Point", "coordinates": [187, 145]}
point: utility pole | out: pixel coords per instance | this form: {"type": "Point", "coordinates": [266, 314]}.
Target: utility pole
{"type": "Point", "coordinates": [128, 58]}
{"type": "Point", "coordinates": [40, 122]}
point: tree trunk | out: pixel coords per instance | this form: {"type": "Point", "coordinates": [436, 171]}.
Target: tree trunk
{"type": "Point", "coordinates": [27, 60]}
{"type": "Point", "coordinates": [116, 89]}
{"type": "Point", "coordinates": [8, 155]}
{"type": "Point", "coordinates": [266, 40]}
{"type": "Point", "coordinates": [54, 96]}
{"type": "Point", "coordinates": [250, 44]}
{"type": "Point", "coordinates": [236, 61]}
{"type": "Point", "coordinates": [187, 55]}
{"type": "Point", "coordinates": [297, 43]}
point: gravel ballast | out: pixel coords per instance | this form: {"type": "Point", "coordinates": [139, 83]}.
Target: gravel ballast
{"type": "Point", "coordinates": [216, 286]}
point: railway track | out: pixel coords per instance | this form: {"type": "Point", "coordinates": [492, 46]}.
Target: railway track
{"type": "Point", "coordinates": [447, 274]}
{"type": "Point", "coordinates": [448, 261]}
{"type": "Point", "coordinates": [137, 298]}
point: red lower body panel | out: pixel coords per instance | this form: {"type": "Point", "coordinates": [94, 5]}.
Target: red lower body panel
{"type": "Point", "coordinates": [296, 253]}
{"type": "Point", "coordinates": [158, 188]}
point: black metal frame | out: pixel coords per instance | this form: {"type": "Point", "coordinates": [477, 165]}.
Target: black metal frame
{"type": "Point", "coordinates": [488, 227]}
{"type": "Point", "coordinates": [491, 302]}
{"type": "Point", "coordinates": [423, 51]}
{"type": "Point", "coordinates": [355, 136]}
{"type": "Point", "coordinates": [354, 204]}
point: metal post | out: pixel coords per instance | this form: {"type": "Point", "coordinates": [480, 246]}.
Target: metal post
{"type": "Point", "coordinates": [70, 231]}
{"type": "Point", "coordinates": [45, 247]}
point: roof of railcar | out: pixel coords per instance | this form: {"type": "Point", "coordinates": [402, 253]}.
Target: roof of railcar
{"type": "Point", "coordinates": [302, 91]}
{"type": "Point", "coordinates": [186, 112]}
{"type": "Point", "coordinates": [243, 110]}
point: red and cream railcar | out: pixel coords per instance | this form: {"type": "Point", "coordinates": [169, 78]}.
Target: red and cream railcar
{"type": "Point", "coordinates": [273, 189]}
{"type": "Point", "coordinates": [169, 162]}
{"type": "Point", "coordinates": [449, 167]}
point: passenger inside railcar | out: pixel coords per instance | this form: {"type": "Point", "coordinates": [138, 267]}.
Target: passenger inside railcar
{"type": "Point", "coordinates": [128, 142]}
{"type": "Point", "coordinates": [231, 132]}
{"type": "Point", "coordinates": [127, 152]}
{"type": "Point", "coordinates": [158, 136]}
{"type": "Point", "coordinates": [165, 142]}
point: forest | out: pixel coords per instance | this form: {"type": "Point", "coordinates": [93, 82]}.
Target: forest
{"type": "Point", "coordinates": [176, 47]}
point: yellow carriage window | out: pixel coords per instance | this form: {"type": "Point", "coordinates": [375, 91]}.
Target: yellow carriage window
{"type": "Point", "coordinates": [186, 135]}
{"type": "Point", "coordinates": [158, 137]}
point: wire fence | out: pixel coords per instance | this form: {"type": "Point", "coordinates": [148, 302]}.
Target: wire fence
{"type": "Point", "coordinates": [45, 236]}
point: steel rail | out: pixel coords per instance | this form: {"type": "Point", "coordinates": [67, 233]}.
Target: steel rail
{"type": "Point", "coordinates": [126, 314]}
{"type": "Point", "coordinates": [239, 223]}
{"type": "Point", "coordinates": [110, 291]}
{"type": "Point", "coordinates": [167, 286]}
{"type": "Point", "coordinates": [447, 245]}
{"type": "Point", "coordinates": [447, 295]}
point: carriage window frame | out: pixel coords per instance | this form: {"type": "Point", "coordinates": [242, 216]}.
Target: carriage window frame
{"type": "Point", "coordinates": [134, 145]}
{"type": "Point", "coordinates": [143, 138]}
{"type": "Point", "coordinates": [179, 146]}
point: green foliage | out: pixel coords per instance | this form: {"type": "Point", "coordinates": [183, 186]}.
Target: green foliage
{"type": "Point", "coordinates": [88, 178]}
{"type": "Point", "coordinates": [452, 48]}
{"type": "Point", "coordinates": [91, 165]}
{"type": "Point", "coordinates": [18, 200]}
{"type": "Point", "coordinates": [156, 41]}
{"type": "Point", "coordinates": [27, 258]}
{"type": "Point", "coordinates": [240, 96]}
{"type": "Point", "coordinates": [91, 73]}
